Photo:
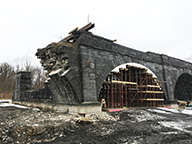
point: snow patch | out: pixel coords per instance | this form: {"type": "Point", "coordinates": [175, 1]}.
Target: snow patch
{"type": "Point", "coordinates": [12, 105]}
{"type": "Point", "coordinates": [185, 111]}
{"type": "Point", "coordinates": [176, 125]}
{"type": "Point", "coordinates": [65, 72]}
{"type": "Point", "coordinates": [169, 110]}
{"type": "Point", "coordinates": [172, 132]}
{"type": "Point", "coordinates": [159, 111]}
{"type": "Point", "coordinates": [54, 72]}
{"type": "Point", "coordinates": [46, 81]}
{"type": "Point", "coordinates": [188, 112]}
{"type": "Point", "coordinates": [17, 106]}
{"type": "Point", "coordinates": [5, 101]}
{"type": "Point", "coordinates": [133, 64]}
{"type": "Point", "coordinates": [35, 125]}
{"type": "Point", "coordinates": [142, 115]}
{"type": "Point", "coordinates": [147, 116]}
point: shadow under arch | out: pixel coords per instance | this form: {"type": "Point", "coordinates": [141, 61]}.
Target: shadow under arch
{"type": "Point", "coordinates": [183, 87]}
{"type": "Point", "coordinates": [131, 82]}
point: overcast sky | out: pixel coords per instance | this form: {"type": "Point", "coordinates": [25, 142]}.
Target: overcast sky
{"type": "Point", "coordinates": [161, 26]}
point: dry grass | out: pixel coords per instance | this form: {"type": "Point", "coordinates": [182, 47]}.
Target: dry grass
{"type": "Point", "coordinates": [6, 95]}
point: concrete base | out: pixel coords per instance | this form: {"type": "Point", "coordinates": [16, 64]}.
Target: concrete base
{"type": "Point", "coordinates": [172, 103]}
{"type": "Point", "coordinates": [169, 102]}
{"type": "Point", "coordinates": [81, 108]}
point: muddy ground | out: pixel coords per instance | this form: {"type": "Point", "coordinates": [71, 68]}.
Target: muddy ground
{"type": "Point", "coordinates": [138, 126]}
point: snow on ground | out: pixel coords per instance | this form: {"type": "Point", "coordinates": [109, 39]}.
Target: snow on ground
{"type": "Point", "coordinates": [146, 116]}
{"type": "Point", "coordinates": [54, 72]}
{"type": "Point", "coordinates": [7, 103]}
{"type": "Point", "coordinates": [133, 64]}
{"type": "Point", "coordinates": [169, 110]}
{"type": "Point", "coordinates": [12, 105]}
{"type": "Point", "coordinates": [159, 111]}
{"type": "Point", "coordinates": [176, 125]}
{"type": "Point", "coordinates": [188, 112]}
{"type": "Point", "coordinates": [142, 115]}
{"type": "Point", "coordinates": [165, 110]}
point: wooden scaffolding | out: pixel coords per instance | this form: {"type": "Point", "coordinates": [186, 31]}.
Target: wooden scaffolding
{"type": "Point", "coordinates": [131, 87]}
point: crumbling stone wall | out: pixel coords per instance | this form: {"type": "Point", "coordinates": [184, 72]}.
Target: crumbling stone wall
{"type": "Point", "coordinates": [23, 84]}
{"type": "Point", "coordinates": [24, 92]}
{"type": "Point", "coordinates": [61, 60]}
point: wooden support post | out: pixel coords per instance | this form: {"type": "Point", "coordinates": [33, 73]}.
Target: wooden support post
{"type": "Point", "coordinates": [126, 95]}
{"type": "Point", "coordinates": [108, 105]}
{"type": "Point", "coordinates": [130, 87]}
{"type": "Point", "coordinates": [112, 98]}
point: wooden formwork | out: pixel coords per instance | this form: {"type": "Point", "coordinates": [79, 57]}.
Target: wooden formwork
{"type": "Point", "coordinates": [131, 87]}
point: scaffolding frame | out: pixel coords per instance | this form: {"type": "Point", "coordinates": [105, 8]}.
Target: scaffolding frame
{"type": "Point", "coordinates": [131, 87]}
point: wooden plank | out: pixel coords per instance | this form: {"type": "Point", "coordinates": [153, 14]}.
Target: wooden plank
{"type": "Point", "coordinates": [74, 30]}
{"type": "Point", "coordinates": [70, 37]}
{"type": "Point", "coordinates": [149, 91]}
{"type": "Point", "coordinates": [153, 99]}
{"type": "Point", "coordinates": [124, 82]}
{"type": "Point", "coordinates": [112, 97]}
{"type": "Point", "coordinates": [149, 99]}
{"type": "Point", "coordinates": [108, 95]}
{"type": "Point", "coordinates": [136, 67]}
{"type": "Point", "coordinates": [180, 101]}
{"type": "Point", "coordinates": [87, 27]}
{"type": "Point", "coordinates": [156, 86]}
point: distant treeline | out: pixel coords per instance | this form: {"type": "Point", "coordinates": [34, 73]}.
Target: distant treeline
{"type": "Point", "coordinates": [8, 77]}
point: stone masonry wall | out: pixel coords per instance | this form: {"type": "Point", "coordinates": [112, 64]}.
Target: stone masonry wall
{"type": "Point", "coordinates": [23, 84]}
{"type": "Point", "coordinates": [103, 55]}
{"type": "Point", "coordinates": [77, 68]}
{"type": "Point", "coordinates": [24, 92]}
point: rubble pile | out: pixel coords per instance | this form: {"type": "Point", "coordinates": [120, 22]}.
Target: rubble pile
{"type": "Point", "coordinates": [58, 59]}
{"type": "Point", "coordinates": [102, 117]}
{"type": "Point", "coordinates": [143, 126]}
{"type": "Point", "coordinates": [36, 126]}
{"type": "Point", "coordinates": [53, 57]}
{"type": "Point", "coordinates": [27, 125]}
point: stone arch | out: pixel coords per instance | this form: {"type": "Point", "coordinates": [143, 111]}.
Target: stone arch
{"type": "Point", "coordinates": [63, 89]}
{"type": "Point", "coordinates": [131, 85]}
{"type": "Point", "coordinates": [183, 87]}
{"type": "Point", "coordinates": [110, 65]}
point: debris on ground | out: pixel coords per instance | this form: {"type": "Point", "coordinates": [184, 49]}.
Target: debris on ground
{"type": "Point", "coordinates": [137, 125]}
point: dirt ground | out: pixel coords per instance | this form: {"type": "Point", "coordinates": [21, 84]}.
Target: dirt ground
{"type": "Point", "coordinates": [133, 126]}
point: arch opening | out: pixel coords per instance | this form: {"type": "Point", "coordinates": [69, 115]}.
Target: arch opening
{"type": "Point", "coordinates": [131, 85]}
{"type": "Point", "coordinates": [183, 87]}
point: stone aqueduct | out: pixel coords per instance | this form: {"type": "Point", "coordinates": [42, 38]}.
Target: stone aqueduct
{"type": "Point", "coordinates": [78, 65]}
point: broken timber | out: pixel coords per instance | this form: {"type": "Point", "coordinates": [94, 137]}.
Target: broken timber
{"type": "Point", "coordinates": [85, 28]}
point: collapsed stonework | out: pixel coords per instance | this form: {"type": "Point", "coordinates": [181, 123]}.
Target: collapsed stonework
{"type": "Point", "coordinates": [62, 61]}
{"type": "Point", "coordinates": [64, 77]}
{"type": "Point", "coordinates": [24, 92]}
{"type": "Point", "coordinates": [59, 59]}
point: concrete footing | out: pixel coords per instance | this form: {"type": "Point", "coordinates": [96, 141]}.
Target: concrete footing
{"type": "Point", "coordinates": [81, 108]}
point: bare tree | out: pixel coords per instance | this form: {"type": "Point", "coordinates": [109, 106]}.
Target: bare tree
{"type": "Point", "coordinates": [7, 79]}
{"type": "Point", "coordinates": [8, 76]}
{"type": "Point", "coordinates": [38, 77]}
